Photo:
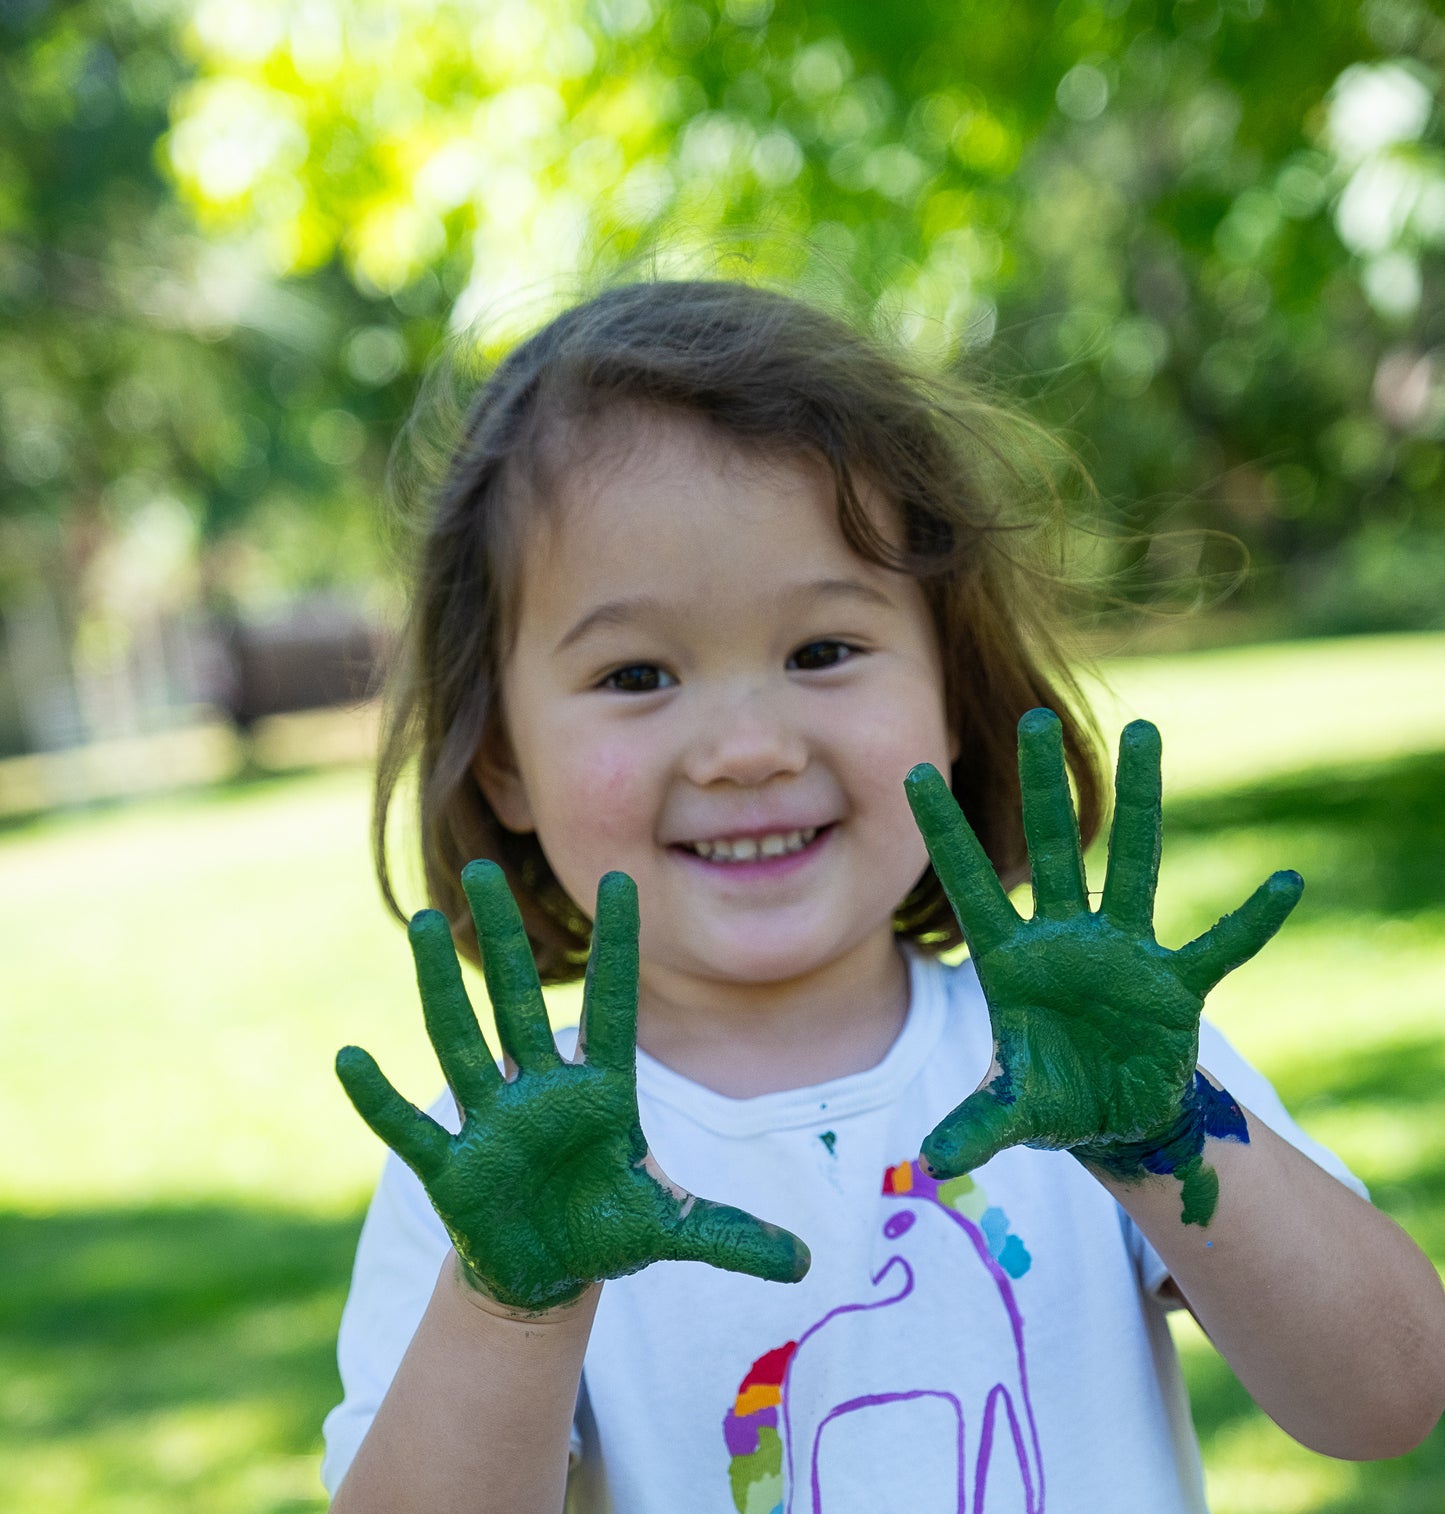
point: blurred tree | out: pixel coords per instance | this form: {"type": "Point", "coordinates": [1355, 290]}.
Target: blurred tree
{"type": "Point", "coordinates": [176, 425]}
{"type": "Point", "coordinates": [1204, 237]}
{"type": "Point", "coordinates": [160, 389]}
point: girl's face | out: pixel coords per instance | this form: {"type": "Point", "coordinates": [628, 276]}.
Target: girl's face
{"type": "Point", "coordinates": [710, 691]}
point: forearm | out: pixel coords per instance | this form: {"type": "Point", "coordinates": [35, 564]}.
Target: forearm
{"type": "Point", "coordinates": [1330, 1315]}
{"type": "Point", "coordinates": [479, 1415]}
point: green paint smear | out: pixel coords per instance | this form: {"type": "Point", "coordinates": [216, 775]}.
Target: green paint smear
{"type": "Point", "coordinates": [546, 1188]}
{"type": "Point", "coordinates": [1095, 1025]}
{"type": "Point", "coordinates": [1201, 1191]}
{"type": "Point", "coordinates": [756, 1480]}
{"type": "Point", "coordinates": [954, 1189]}
{"type": "Point", "coordinates": [830, 1140]}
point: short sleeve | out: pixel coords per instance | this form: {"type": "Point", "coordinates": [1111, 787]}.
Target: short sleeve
{"type": "Point", "coordinates": [398, 1256]}
{"type": "Point", "coordinates": [1252, 1089]}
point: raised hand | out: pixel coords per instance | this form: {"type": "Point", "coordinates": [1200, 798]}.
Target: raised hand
{"type": "Point", "coordinates": [1095, 1025]}
{"type": "Point", "coordinates": [549, 1185]}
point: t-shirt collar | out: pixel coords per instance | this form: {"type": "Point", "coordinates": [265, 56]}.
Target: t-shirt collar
{"type": "Point", "coordinates": [854, 1094]}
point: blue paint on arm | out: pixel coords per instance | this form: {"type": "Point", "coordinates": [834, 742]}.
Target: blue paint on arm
{"type": "Point", "coordinates": [1220, 1115]}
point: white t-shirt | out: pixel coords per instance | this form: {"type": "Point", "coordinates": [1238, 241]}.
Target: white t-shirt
{"type": "Point", "coordinates": [991, 1344]}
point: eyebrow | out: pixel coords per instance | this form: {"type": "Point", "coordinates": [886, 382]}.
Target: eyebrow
{"type": "Point", "coordinates": [638, 607]}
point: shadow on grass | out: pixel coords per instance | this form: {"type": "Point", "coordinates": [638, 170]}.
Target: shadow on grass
{"type": "Point", "coordinates": [118, 1325]}
{"type": "Point", "coordinates": [1382, 826]}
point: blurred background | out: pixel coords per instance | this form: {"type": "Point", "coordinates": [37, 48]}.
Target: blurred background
{"type": "Point", "coordinates": [1203, 241]}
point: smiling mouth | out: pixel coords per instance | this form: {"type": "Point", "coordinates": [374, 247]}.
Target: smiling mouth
{"type": "Point", "coordinates": [753, 848]}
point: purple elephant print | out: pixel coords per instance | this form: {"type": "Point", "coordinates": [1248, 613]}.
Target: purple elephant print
{"type": "Point", "coordinates": [926, 1370]}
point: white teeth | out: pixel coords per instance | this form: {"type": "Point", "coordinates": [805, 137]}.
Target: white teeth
{"type": "Point", "coordinates": [749, 848]}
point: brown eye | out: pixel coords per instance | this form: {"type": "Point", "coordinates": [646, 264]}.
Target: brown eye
{"type": "Point", "coordinates": [638, 678]}
{"type": "Point", "coordinates": [820, 654]}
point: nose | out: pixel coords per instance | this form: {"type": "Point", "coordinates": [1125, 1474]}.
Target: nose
{"type": "Point", "coordinates": [746, 736]}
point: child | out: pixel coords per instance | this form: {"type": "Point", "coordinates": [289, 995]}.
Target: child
{"type": "Point", "coordinates": [711, 576]}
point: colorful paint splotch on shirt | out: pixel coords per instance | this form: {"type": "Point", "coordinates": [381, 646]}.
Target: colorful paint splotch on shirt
{"type": "Point", "coordinates": [755, 1427]}
{"type": "Point", "coordinates": [964, 1196]}
{"type": "Point", "coordinates": [751, 1431]}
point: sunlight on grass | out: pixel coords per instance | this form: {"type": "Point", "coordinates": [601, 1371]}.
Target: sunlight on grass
{"type": "Point", "coordinates": [194, 966]}
{"type": "Point", "coordinates": [1244, 713]}
{"type": "Point", "coordinates": [1328, 985]}
{"type": "Point", "coordinates": [1237, 1484]}
{"type": "Point", "coordinates": [193, 1458]}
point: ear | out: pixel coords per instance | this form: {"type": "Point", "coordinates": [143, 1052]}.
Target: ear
{"type": "Point", "coordinates": [495, 769]}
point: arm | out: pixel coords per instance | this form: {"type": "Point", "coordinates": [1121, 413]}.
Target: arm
{"type": "Point", "coordinates": [546, 1190]}
{"type": "Point", "coordinates": [1328, 1312]}
{"type": "Point", "coordinates": [479, 1415]}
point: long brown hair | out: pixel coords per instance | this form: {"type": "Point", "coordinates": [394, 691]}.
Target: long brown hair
{"type": "Point", "coordinates": [770, 372]}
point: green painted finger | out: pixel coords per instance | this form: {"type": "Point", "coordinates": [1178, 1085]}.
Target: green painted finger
{"type": "Point", "coordinates": [984, 913]}
{"type": "Point", "coordinates": [981, 1127]}
{"type": "Point", "coordinates": [1236, 938]}
{"type": "Point", "coordinates": [609, 998]}
{"type": "Point", "coordinates": [1050, 827]}
{"type": "Point", "coordinates": [507, 965]}
{"type": "Point", "coordinates": [451, 1024]}
{"type": "Point", "coordinates": [1134, 838]}
{"type": "Point", "coordinates": [738, 1241]}
{"type": "Point", "coordinates": [415, 1137]}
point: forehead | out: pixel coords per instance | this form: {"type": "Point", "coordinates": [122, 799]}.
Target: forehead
{"type": "Point", "coordinates": [650, 492]}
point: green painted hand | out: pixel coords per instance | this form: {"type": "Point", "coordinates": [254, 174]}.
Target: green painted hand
{"type": "Point", "coordinates": [1095, 1025]}
{"type": "Point", "coordinates": [549, 1185]}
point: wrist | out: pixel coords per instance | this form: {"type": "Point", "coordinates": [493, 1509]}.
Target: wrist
{"type": "Point", "coordinates": [467, 1288]}
{"type": "Point", "coordinates": [1176, 1148]}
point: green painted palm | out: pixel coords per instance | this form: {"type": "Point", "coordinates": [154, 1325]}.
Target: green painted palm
{"type": "Point", "coordinates": [1095, 1025]}
{"type": "Point", "coordinates": [548, 1186]}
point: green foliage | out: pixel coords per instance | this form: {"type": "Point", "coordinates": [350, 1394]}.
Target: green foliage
{"type": "Point", "coordinates": [155, 384]}
{"type": "Point", "coordinates": [1204, 238]}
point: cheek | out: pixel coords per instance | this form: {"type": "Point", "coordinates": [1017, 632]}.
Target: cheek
{"type": "Point", "coordinates": [609, 779]}
{"type": "Point", "coordinates": [883, 748]}
{"type": "Point", "coordinates": [898, 835]}
{"type": "Point", "coordinates": [889, 739]}
{"type": "Point", "coordinates": [597, 794]}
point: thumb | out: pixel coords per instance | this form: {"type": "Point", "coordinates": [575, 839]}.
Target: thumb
{"type": "Point", "coordinates": [1238, 936]}
{"type": "Point", "coordinates": [981, 1127]}
{"type": "Point", "coordinates": [737, 1241]}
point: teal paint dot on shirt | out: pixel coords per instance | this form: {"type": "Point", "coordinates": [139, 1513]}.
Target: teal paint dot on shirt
{"type": "Point", "coordinates": [1014, 1257]}
{"type": "Point", "coordinates": [994, 1224]}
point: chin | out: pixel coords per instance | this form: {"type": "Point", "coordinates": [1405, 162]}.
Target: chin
{"type": "Point", "coordinates": [758, 963]}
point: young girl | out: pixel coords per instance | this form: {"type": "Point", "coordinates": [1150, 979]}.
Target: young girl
{"type": "Point", "coordinates": [715, 591]}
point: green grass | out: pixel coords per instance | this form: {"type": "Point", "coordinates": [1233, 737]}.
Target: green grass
{"type": "Point", "coordinates": [182, 1179]}
{"type": "Point", "coordinates": [170, 1356]}
{"type": "Point", "coordinates": [1344, 1013]}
